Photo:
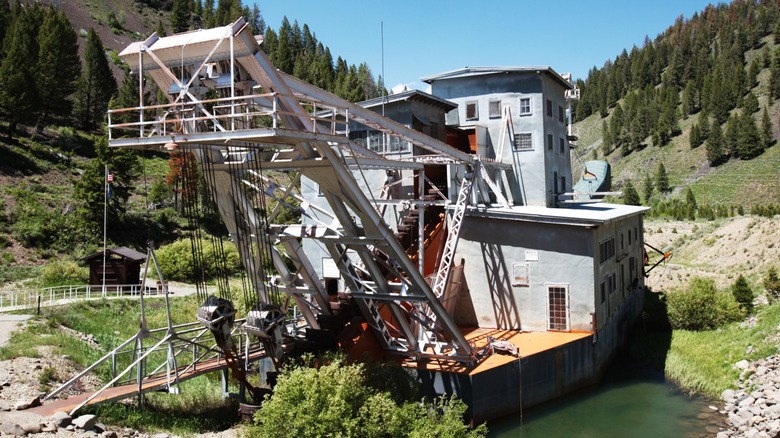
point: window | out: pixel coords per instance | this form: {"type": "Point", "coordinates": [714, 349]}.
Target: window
{"type": "Point", "coordinates": [563, 184]}
{"type": "Point", "coordinates": [525, 106]}
{"type": "Point", "coordinates": [612, 284]}
{"type": "Point", "coordinates": [603, 291]}
{"type": "Point", "coordinates": [549, 108]}
{"type": "Point", "coordinates": [472, 112]}
{"type": "Point", "coordinates": [549, 142]}
{"type": "Point", "coordinates": [561, 146]}
{"type": "Point", "coordinates": [606, 250]}
{"type": "Point", "coordinates": [560, 113]}
{"type": "Point", "coordinates": [494, 109]}
{"type": "Point", "coordinates": [558, 309]}
{"type": "Point", "coordinates": [524, 142]}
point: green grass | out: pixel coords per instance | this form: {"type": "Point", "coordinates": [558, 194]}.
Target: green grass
{"type": "Point", "coordinates": [701, 362]}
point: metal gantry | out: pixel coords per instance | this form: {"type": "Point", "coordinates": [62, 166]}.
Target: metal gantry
{"type": "Point", "coordinates": [247, 123]}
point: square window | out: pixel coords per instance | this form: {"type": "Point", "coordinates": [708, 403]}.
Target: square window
{"type": "Point", "coordinates": [525, 106]}
{"type": "Point", "coordinates": [494, 109]}
{"type": "Point", "coordinates": [472, 112]}
{"type": "Point", "coordinates": [524, 142]}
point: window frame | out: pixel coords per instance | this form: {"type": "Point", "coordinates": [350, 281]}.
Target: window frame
{"type": "Point", "coordinates": [555, 322]}
{"type": "Point", "coordinates": [530, 110]}
{"type": "Point", "coordinates": [475, 105]}
{"type": "Point", "coordinates": [497, 104]}
{"type": "Point", "coordinates": [516, 143]}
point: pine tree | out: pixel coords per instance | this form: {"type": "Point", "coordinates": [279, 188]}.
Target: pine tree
{"type": "Point", "coordinates": [731, 135]}
{"type": "Point", "coordinates": [749, 144]}
{"type": "Point", "coordinates": [774, 75]}
{"type": "Point", "coordinates": [772, 284]}
{"type": "Point", "coordinates": [750, 103]}
{"type": "Point", "coordinates": [662, 179]}
{"type": "Point", "coordinates": [742, 293]}
{"type": "Point", "coordinates": [283, 57]}
{"type": "Point", "coordinates": [96, 84]}
{"type": "Point", "coordinates": [648, 189]}
{"type": "Point", "coordinates": [58, 65]}
{"type": "Point", "coordinates": [19, 99]}
{"type": "Point", "coordinates": [5, 21]}
{"type": "Point", "coordinates": [630, 195]}
{"type": "Point", "coordinates": [180, 15]}
{"type": "Point", "coordinates": [695, 136]}
{"type": "Point", "coordinates": [704, 126]}
{"type": "Point", "coordinates": [715, 150]}
{"type": "Point", "coordinates": [766, 129]}
{"type": "Point", "coordinates": [227, 12]}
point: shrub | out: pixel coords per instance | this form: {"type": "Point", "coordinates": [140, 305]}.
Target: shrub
{"type": "Point", "coordinates": [177, 262]}
{"type": "Point", "coordinates": [701, 306]}
{"type": "Point", "coordinates": [350, 400]}
{"type": "Point", "coordinates": [62, 272]}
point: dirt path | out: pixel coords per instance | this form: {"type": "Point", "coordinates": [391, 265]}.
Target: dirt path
{"type": "Point", "coordinates": [9, 324]}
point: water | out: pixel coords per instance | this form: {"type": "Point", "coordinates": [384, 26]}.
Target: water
{"type": "Point", "coordinates": [631, 401]}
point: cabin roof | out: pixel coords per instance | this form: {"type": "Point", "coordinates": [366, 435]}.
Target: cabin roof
{"type": "Point", "coordinates": [121, 251]}
{"type": "Point", "coordinates": [482, 71]}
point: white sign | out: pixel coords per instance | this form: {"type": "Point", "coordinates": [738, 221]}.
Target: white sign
{"type": "Point", "coordinates": [532, 256]}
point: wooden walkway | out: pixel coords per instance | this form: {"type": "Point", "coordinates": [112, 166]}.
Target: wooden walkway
{"type": "Point", "coordinates": [131, 390]}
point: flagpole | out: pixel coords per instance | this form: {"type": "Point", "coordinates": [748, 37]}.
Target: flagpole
{"type": "Point", "coordinates": [105, 208]}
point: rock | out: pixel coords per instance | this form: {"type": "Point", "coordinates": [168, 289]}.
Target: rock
{"type": "Point", "coordinates": [49, 427]}
{"type": "Point", "coordinates": [161, 435]}
{"type": "Point", "coordinates": [85, 422]}
{"type": "Point", "coordinates": [12, 429]}
{"type": "Point", "coordinates": [109, 434]}
{"type": "Point", "coordinates": [32, 428]}
{"type": "Point", "coordinates": [99, 428]}
{"type": "Point", "coordinates": [727, 395]}
{"type": "Point", "coordinates": [747, 401]}
{"type": "Point", "coordinates": [61, 419]}
{"type": "Point", "coordinates": [742, 365]}
{"type": "Point", "coordinates": [25, 404]}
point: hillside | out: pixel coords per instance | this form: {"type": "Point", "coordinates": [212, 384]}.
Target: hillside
{"type": "Point", "coordinates": [718, 67]}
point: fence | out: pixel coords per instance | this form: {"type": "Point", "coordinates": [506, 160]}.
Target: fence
{"type": "Point", "coordinates": [50, 296]}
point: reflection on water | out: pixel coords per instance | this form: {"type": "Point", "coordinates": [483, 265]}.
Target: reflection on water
{"type": "Point", "coordinates": [632, 401]}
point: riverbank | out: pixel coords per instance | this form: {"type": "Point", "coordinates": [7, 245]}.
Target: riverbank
{"type": "Point", "coordinates": [753, 410]}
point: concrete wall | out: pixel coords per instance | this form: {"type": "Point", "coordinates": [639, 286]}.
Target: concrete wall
{"type": "Point", "coordinates": [627, 234]}
{"type": "Point", "coordinates": [494, 250]}
{"type": "Point", "coordinates": [534, 168]}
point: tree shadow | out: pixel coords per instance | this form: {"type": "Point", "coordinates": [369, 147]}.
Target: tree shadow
{"type": "Point", "coordinates": [500, 285]}
{"type": "Point", "coordinates": [15, 163]}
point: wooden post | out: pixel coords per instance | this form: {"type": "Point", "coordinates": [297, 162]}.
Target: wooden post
{"type": "Point", "coordinates": [39, 305]}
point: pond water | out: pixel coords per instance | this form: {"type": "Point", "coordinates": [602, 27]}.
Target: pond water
{"type": "Point", "coordinates": [631, 401]}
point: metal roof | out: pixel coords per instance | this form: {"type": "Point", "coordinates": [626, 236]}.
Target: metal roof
{"type": "Point", "coordinates": [578, 214]}
{"type": "Point", "coordinates": [482, 71]}
{"type": "Point", "coordinates": [409, 95]}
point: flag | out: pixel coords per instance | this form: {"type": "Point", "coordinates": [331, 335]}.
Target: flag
{"type": "Point", "coordinates": [110, 177]}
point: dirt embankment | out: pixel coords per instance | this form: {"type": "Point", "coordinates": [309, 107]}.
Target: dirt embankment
{"type": "Point", "coordinates": [720, 249]}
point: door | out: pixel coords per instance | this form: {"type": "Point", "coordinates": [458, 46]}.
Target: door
{"type": "Point", "coordinates": [558, 307]}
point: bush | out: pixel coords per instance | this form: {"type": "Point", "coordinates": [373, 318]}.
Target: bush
{"type": "Point", "coordinates": [701, 306]}
{"type": "Point", "coordinates": [350, 400]}
{"type": "Point", "coordinates": [62, 272]}
{"type": "Point", "coordinates": [178, 264]}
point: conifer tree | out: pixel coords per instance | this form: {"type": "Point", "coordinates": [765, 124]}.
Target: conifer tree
{"type": "Point", "coordinates": [5, 22]}
{"type": "Point", "coordinates": [180, 15]}
{"type": "Point", "coordinates": [662, 179]}
{"type": "Point", "coordinates": [58, 65]}
{"type": "Point", "coordinates": [750, 103]}
{"type": "Point", "coordinates": [96, 84]}
{"type": "Point", "coordinates": [766, 129]}
{"type": "Point", "coordinates": [715, 149]}
{"type": "Point", "coordinates": [695, 136]}
{"type": "Point", "coordinates": [749, 144]}
{"type": "Point", "coordinates": [648, 188]}
{"type": "Point", "coordinates": [704, 126]}
{"type": "Point", "coordinates": [731, 136]}
{"type": "Point", "coordinates": [19, 99]}
{"type": "Point", "coordinates": [774, 75]}
{"type": "Point", "coordinates": [743, 294]}
{"type": "Point", "coordinates": [630, 195]}
{"type": "Point", "coordinates": [772, 284]}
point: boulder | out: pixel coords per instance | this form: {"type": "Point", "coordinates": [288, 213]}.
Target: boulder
{"type": "Point", "coordinates": [34, 427]}
{"type": "Point", "coordinates": [26, 404]}
{"type": "Point", "coordinates": [11, 429]}
{"type": "Point", "coordinates": [85, 422]}
{"type": "Point", "coordinates": [742, 365]}
{"type": "Point", "coordinates": [61, 419]}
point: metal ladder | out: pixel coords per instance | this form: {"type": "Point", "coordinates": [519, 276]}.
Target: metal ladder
{"type": "Point", "coordinates": [442, 275]}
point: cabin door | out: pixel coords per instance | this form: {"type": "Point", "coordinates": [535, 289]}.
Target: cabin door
{"type": "Point", "coordinates": [558, 307]}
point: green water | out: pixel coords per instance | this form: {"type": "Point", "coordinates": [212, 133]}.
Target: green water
{"type": "Point", "coordinates": [632, 401]}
